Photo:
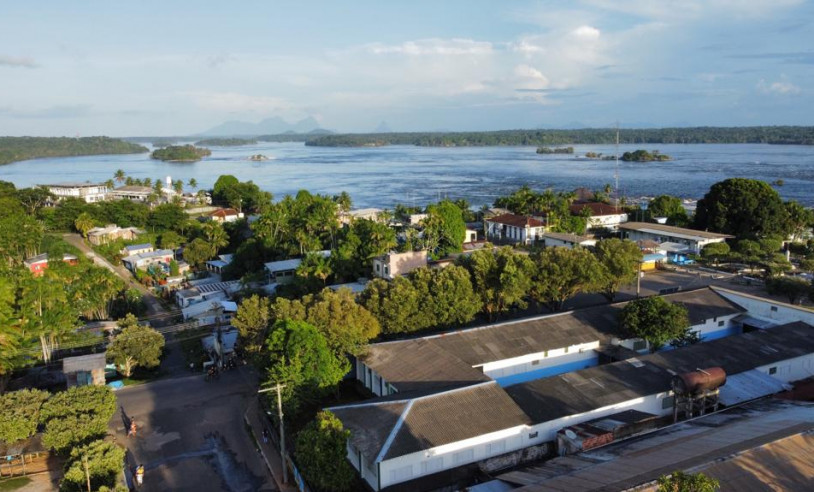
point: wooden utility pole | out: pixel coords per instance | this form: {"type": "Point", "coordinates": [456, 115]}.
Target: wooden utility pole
{"type": "Point", "coordinates": [278, 388]}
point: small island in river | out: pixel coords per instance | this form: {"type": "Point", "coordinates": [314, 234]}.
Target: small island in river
{"type": "Point", "coordinates": [258, 158]}
{"type": "Point", "coordinates": [226, 142]}
{"type": "Point", "coordinates": [181, 153]}
{"type": "Point", "coordinates": [555, 150]}
{"type": "Point", "coordinates": [644, 156]}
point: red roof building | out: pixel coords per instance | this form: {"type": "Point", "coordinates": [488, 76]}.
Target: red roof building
{"type": "Point", "coordinates": [514, 228]}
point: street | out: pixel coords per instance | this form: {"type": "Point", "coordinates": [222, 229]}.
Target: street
{"type": "Point", "coordinates": [191, 434]}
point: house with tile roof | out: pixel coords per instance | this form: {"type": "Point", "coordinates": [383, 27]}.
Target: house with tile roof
{"type": "Point", "coordinates": [600, 215]}
{"type": "Point", "coordinates": [513, 228]}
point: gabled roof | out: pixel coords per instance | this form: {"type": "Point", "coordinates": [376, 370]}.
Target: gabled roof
{"type": "Point", "coordinates": [681, 232]}
{"type": "Point", "coordinates": [224, 212]}
{"type": "Point", "coordinates": [516, 220]}
{"type": "Point", "coordinates": [569, 238]}
{"type": "Point", "coordinates": [44, 258]}
{"type": "Point", "coordinates": [387, 430]}
{"type": "Point", "coordinates": [582, 391]}
{"type": "Point", "coordinates": [429, 361]}
{"type": "Point", "coordinates": [596, 208]}
{"type": "Point", "coordinates": [134, 247]}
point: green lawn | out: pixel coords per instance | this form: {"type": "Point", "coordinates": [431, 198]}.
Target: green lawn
{"type": "Point", "coordinates": [15, 483]}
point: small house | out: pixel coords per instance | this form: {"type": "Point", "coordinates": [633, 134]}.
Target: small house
{"type": "Point", "coordinates": [688, 239]}
{"type": "Point", "coordinates": [225, 215]}
{"type": "Point", "coordinates": [392, 265]}
{"type": "Point", "coordinates": [140, 261]}
{"type": "Point", "coordinates": [111, 232]}
{"type": "Point", "coordinates": [84, 370]}
{"type": "Point", "coordinates": [570, 241]}
{"type": "Point", "coordinates": [283, 271]}
{"type": "Point", "coordinates": [38, 264]}
{"type": "Point", "coordinates": [135, 249]}
{"type": "Point", "coordinates": [601, 215]}
{"type": "Point", "coordinates": [514, 228]}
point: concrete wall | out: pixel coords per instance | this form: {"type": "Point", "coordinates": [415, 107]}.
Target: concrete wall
{"type": "Point", "coordinates": [791, 370]}
{"type": "Point", "coordinates": [542, 364]}
{"type": "Point", "coordinates": [609, 221]}
{"type": "Point", "coordinates": [779, 312]}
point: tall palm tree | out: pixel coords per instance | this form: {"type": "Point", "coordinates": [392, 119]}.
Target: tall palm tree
{"type": "Point", "coordinates": [84, 223]}
{"type": "Point", "coordinates": [216, 236]}
{"type": "Point", "coordinates": [119, 175]}
{"type": "Point", "coordinates": [178, 186]}
{"type": "Point", "coordinates": [193, 183]}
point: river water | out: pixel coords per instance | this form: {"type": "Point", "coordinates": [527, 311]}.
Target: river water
{"type": "Point", "coordinates": [384, 176]}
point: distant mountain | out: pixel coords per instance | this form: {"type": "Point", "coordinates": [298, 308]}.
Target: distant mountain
{"type": "Point", "coordinates": [269, 126]}
{"type": "Point", "coordinates": [383, 128]}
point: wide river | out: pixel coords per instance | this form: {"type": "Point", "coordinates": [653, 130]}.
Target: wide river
{"type": "Point", "coordinates": [384, 176]}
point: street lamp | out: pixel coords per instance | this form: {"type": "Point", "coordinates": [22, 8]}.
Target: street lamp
{"type": "Point", "coordinates": [278, 388]}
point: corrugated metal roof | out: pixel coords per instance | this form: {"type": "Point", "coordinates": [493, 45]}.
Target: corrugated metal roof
{"type": "Point", "coordinates": [750, 385]}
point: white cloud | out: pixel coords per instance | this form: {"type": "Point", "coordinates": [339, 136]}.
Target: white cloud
{"type": "Point", "coordinates": [434, 46]}
{"type": "Point", "coordinates": [17, 61]}
{"type": "Point", "coordinates": [530, 78]}
{"type": "Point", "coordinates": [586, 32]}
{"type": "Point", "coordinates": [780, 87]}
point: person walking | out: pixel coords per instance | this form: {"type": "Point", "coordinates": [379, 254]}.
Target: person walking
{"type": "Point", "coordinates": [140, 474]}
{"type": "Point", "coordinates": [132, 430]}
{"type": "Point", "coordinates": [265, 436]}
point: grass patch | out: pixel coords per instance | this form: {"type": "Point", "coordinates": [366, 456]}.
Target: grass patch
{"type": "Point", "coordinates": [15, 483]}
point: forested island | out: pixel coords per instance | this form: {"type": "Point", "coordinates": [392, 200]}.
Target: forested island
{"type": "Point", "coordinates": [555, 150]}
{"type": "Point", "coordinates": [226, 142]}
{"type": "Point", "coordinates": [644, 156]}
{"type": "Point", "coordinates": [181, 153]}
{"type": "Point", "coordinates": [790, 135]}
{"type": "Point", "coordinates": [13, 149]}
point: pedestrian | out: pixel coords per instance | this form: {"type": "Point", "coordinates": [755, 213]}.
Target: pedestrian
{"type": "Point", "coordinates": [265, 436]}
{"type": "Point", "coordinates": [132, 431]}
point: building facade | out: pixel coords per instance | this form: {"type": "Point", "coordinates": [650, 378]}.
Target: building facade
{"type": "Point", "coordinates": [89, 192]}
{"type": "Point", "coordinates": [518, 229]}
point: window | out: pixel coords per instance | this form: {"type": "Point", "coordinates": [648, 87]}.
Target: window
{"type": "Point", "coordinates": [773, 370]}
{"type": "Point", "coordinates": [463, 457]}
{"type": "Point", "coordinates": [721, 323]}
{"type": "Point", "coordinates": [774, 308]}
{"type": "Point", "coordinates": [432, 465]}
{"type": "Point", "coordinates": [378, 267]}
{"type": "Point", "coordinates": [495, 448]}
{"type": "Point", "coordinates": [387, 270]}
{"type": "Point", "coordinates": [667, 402]}
{"type": "Point", "coordinates": [533, 435]}
{"type": "Point", "coordinates": [401, 474]}
{"type": "Point", "coordinates": [535, 362]}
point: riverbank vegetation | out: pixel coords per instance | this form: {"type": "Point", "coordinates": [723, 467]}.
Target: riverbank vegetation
{"type": "Point", "coordinates": [799, 135]}
{"type": "Point", "coordinates": [225, 142]}
{"type": "Point", "coordinates": [181, 153]}
{"type": "Point", "coordinates": [644, 156]}
{"type": "Point", "coordinates": [13, 149]}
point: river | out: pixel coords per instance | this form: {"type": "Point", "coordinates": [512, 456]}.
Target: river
{"type": "Point", "coordinates": [384, 176]}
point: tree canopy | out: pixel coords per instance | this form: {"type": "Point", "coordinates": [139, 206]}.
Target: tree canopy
{"type": "Point", "coordinates": [136, 346]}
{"type": "Point", "coordinates": [14, 149]}
{"type": "Point", "coordinates": [183, 153]}
{"type": "Point", "coordinates": [746, 208]}
{"type": "Point", "coordinates": [670, 207]}
{"type": "Point", "coordinates": [321, 450]}
{"type": "Point", "coordinates": [561, 273]}
{"type": "Point", "coordinates": [20, 413]}
{"type": "Point", "coordinates": [104, 462]}
{"type": "Point", "coordinates": [77, 416]}
{"type": "Point", "coordinates": [500, 279]}
{"type": "Point", "coordinates": [679, 481]}
{"type": "Point", "coordinates": [654, 319]}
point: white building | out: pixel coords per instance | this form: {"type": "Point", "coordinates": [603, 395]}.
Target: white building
{"type": "Point", "coordinates": [217, 266]}
{"type": "Point", "coordinates": [565, 240]}
{"type": "Point", "coordinates": [693, 240]}
{"type": "Point", "coordinates": [135, 249]}
{"type": "Point", "coordinates": [210, 312]}
{"type": "Point", "coordinates": [392, 265]}
{"type": "Point", "coordinates": [141, 261]}
{"type": "Point", "coordinates": [515, 229]}
{"type": "Point", "coordinates": [602, 215]}
{"type": "Point", "coordinates": [361, 213]}
{"type": "Point", "coordinates": [283, 271]}
{"type": "Point", "coordinates": [211, 291]}
{"type": "Point", "coordinates": [90, 192]}
{"type": "Point", "coordinates": [131, 192]}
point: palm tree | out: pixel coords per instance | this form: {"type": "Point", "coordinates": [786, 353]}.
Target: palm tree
{"type": "Point", "coordinates": [147, 182]}
{"type": "Point", "coordinates": [84, 223]}
{"type": "Point", "coordinates": [178, 186]}
{"type": "Point", "coordinates": [216, 236]}
{"type": "Point", "coordinates": [110, 184]}
{"type": "Point", "coordinates": [193, 183]}
{"type": "Point", "coordinates": [158, 186]}
{"type": "Point", "coordinates": [119, 175]}
{"type": "Point", "coordinates": [129, 181]}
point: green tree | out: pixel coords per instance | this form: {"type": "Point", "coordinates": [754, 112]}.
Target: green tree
{"type": "Point", "coordinates": [192, 183]}
{"type": "Point", "coordinates": [45, 311]}
{"type": "Point", "coordinates": [223, 183]}
{"type": "Point", "coordinates": [252, 320]}
{"type": "Point", "coordinates": [300, 358]}
{"type": "Point", "coordinates": [679, 481]}
{"type": "Point", "coordinates": [34, 199]}
{"type": "Point", "coordinates": [745, 208]}
{"type": "Point", "coordinates": [801, 219]}
{"type": "Point", "coordinates": [793, 288]}
{"type": "Point", "coordinates": [166, 216]}
{"type": "Point", "coordinates": [19, 414]}
{"type": "Point", "coordinates": [197, 252]}
{"type": "Point", "coordinates": [654, 319]}
{"type": "Point", "coordinates": [715, 251]}
{"type": "Point", "coordinates": [119, 175]}
{"type": "Point", "coordinates": [76, 416]}
{"type": "Point", "coordinates": [170, 240]}
{"type": "Point", "coordinates": [500, 279]}
{"type": "Point", "coordinates": [136, 346]}
{"type": "Point", "coordinates": [346, 325]}
{"type": "Point", "coordinates": [84, 223]}
{"type": "Point", "coordinates": [396, 304]}
{"type": "Point", "coordinates": [100, 461]}
{"type": "Point", "coordinates": [321, 450]}
{"type": "Point", "coordinates": [444, 228]}
{"type": "Point", "coordinates": [620, 259]}
{"type": "Point", "coordinates": [314, 271]}
{"type": "Point", "coordinates": [670, 207]}
{"type": "Point", "coordinates": [562, 273]}
{"type": "Point", "coordinates": [449, 299]}
{"type": "Point", "coordinates": [178, 186]}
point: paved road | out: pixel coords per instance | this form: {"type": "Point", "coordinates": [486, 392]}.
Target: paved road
{"type": "Point", "coordinates": [192, 435]}
{"type": "Point", "coordinates": [154, 306]}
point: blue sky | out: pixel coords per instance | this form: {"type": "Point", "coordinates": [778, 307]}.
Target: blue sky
{"type": "Point", "coordinates": [175, 68]}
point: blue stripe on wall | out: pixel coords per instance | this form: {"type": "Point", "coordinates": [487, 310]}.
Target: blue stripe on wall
{"type": "Point", "coordinates": [547, 372]}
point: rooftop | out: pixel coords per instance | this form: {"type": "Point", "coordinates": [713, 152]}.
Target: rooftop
{"type": "Point", "coordinates": [596, 208]}
{"type": "Point", "coordinates": [224, 212]}
{"type": "Point", "coordinates": [70, 184]}
{"type": "Point", "coordinates": [760, 446]}
{"type": "Point", "coordinates": [44, 257]}
{"type": "Point", "coordinates": [134, 247]}
{"type": "Point", "coordinates": [389, 429]}
{"type": "Point", "coordinates": [596, 387]}
{"type": "Point", "coordinates": [569, 238]}
{"type": "Point", "coordinates": [148, 254]}
{"type": "Point", "coordinates": [133, 189]}
{"type": "Point", "coordinates": [450, 357]}
{"type": "Point", "coordinates": [516, 220]}
{"type": "Point", "coordinates": [680, 232]}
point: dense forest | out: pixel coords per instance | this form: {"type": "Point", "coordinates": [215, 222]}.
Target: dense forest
{"type": "Point", "coordinates": [182, 153]}
{"type": "Point", "coordinates": [226, 142]}
{"type": "Point", "coordinates": [799, 135]}
{"type": "Point", "coordinates": [13, 149]}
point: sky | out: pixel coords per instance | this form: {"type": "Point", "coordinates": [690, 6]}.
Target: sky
{"type": "Point", "coordinates": [153, 68]}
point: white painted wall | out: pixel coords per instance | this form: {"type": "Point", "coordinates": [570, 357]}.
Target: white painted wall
{"type": "Point", "coordinates": [779, 312]}
{"type": "Point", "coordinates": [790, 370]}
{"type": "Point", "coordinates": [540, 360]}
{"type": "Point", "coordinates": [609, 221]}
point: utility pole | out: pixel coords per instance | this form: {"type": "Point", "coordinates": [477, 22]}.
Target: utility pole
{"type": "Point", "coordinates": [639, 280]}
{"type": "Point", "coordinates": [278, 388]}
